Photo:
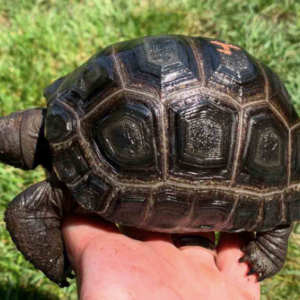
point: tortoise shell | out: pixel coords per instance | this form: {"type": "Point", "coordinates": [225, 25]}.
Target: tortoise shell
{"type": "Point", "coordinates": [177, 134]}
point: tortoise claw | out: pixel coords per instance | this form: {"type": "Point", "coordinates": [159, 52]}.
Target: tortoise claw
{"type": "Point", "coordinates": [245, 258]}
{"type": "Point", "coordinates": [251, 272]}
{"type": "Point", "coordinates": [244, 249]}
{"type": "Point", "coordinates": [71, 276]}
{"type": "Point", "coordinates": [64, 284]}
{"type": "Point", "coordinates": [262, 277]}
{"type": "Point", "coordinates": [267, 252]}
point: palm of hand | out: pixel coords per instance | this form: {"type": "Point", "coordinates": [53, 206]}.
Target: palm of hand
{"type": "Point", "coordinates": [110, 265]}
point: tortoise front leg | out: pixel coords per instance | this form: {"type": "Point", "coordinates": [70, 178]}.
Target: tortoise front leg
{"type": "Point", "coordinates": [267, 253]}
{"type": "Point", "coordinates": [33, 220]}
{"type": "Point", "coordinates": [22, 141]}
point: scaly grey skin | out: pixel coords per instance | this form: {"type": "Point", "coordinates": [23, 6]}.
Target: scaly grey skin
{"type": "Point", "coordinates": [33, 218]}
{"type": "Point", "coordinates": [23, 144]}
{"type": "Point", "coordinates": [267, 252]}
{"type": "Point", "coordinates": [172, 134]}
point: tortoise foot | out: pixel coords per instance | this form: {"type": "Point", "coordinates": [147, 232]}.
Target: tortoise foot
{"type": "Point", "coordinates": [267, 253]}
{"type": "Point", "coordinates": [33, 220]}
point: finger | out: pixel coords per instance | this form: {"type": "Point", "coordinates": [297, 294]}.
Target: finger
{"type": "Point", "coordinates": [23, 144]}
{"type": "Point", "coordinates": [228, 254]}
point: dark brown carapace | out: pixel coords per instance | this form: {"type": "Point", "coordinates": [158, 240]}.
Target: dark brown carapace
{"type": "Point", "coordinates": [168, 133]}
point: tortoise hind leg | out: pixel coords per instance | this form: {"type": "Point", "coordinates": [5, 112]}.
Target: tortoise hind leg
{"type": "Point", "coordinates": [33, 220]}
{"type": "Point", "coordinates": [267, 253]}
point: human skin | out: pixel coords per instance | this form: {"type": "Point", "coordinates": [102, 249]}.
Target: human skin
{"type": "Point", "coordinates": [111, 265]}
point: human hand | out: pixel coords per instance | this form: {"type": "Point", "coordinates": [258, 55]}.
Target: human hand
{"type": "Point", "coordinates": [110, 265]}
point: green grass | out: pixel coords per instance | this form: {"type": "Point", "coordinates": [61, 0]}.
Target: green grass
{"type": "Point", "coordinates": [41, 40]}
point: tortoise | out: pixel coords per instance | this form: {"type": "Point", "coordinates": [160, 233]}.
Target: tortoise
{"type": "Point", "coordinates": [169, 133]}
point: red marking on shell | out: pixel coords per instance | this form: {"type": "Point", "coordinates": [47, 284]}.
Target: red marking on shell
{"type": "Point", "coordinates": [226, 48]}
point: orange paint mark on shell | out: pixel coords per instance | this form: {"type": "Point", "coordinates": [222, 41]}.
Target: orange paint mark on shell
{"type": "Point", "coordinates": [226, 48]}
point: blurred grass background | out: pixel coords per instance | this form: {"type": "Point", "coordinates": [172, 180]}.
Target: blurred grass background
{"type": "Point", "coordinates": [41, 40]}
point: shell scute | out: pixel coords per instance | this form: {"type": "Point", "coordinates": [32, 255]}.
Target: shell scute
{"type": "Point", "coordinates": [265, 150]}
{"type": "Point", "coordinates": [69, 162]}
{"type": "Point", "coordinates": [212, 210]}
{"type": "Point", "coordinates": [60, 123]}
{"type": "Point", "coordinates": [230, 69]}
{"type": "Point", "coordinates": [292, 206]}
{"type": "Point", "coordinates": [158, 65]}
{"type": "Point", "coordinates": [88, 85]}
{"type": "Point", "coordinates": [280, 98]}
{"type": "Point", "coordinates": [248, 213]}
{"type": "Point", "coordinates": [91, 192]}
{"type": "Point", "coordinates": [124, 136]}
{"type": "Point", "coordinates": [273, 211]}
{"type": "Point", "coordinates": [202, 135]}
{"type": "Point", "coordinates": [171, 207]}
{"type": "Point", "coordinates": [129, 206]}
